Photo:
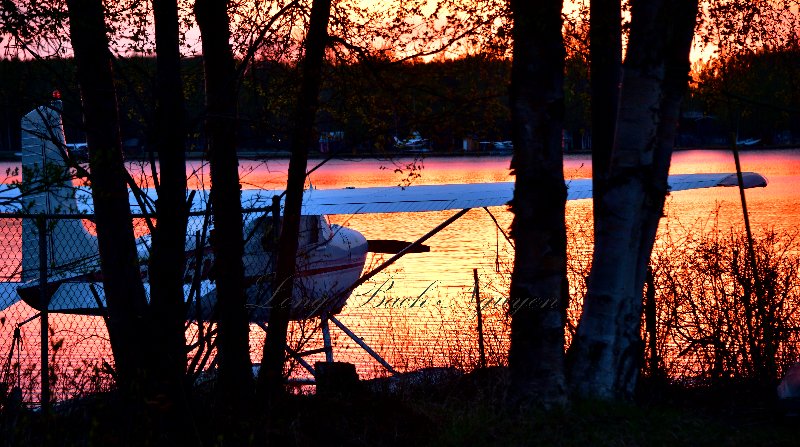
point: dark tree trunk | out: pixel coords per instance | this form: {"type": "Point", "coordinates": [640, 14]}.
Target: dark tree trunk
{"type": "Point", "coordinates": [119, 262]}
{"type": "Point", "coordinates": [167, 259]}
{"type": "Point", "coordinates": [271, 374]}
{"type": "Point", "coordinates": [537, 295]}
{"type": "Point", "coordinates": [607, 345]}
{"type": "Point", "coordinates": [235, 376]}
{"type": "Point", "coordinates": [605, 47]}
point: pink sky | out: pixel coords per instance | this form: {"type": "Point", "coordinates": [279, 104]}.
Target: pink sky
{"type": "Point", "coordinates": [385, 9]}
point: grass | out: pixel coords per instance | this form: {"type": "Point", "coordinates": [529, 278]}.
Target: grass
{"type": "Point", "coordinates": [466, 412]}
{"type": "Point", "coordinates": [600, 423]}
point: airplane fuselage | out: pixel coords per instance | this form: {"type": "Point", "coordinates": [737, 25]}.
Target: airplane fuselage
{"type": "Point", "coordinates": [330, 258]}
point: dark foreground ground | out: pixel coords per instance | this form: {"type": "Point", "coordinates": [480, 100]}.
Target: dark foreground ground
{"type": "Point", "coordinates": [467, 411]}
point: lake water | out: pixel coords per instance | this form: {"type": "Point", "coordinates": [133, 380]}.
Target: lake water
{"type": "Point", "coordinates": [434, 325]}
{"type": "Point", "coordinates": [473, 241]}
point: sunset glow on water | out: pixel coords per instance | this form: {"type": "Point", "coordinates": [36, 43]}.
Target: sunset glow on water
{"type": "Point", "coordinates": [471, 242]}
{"type": "Point", "coordinates": [420, 312]}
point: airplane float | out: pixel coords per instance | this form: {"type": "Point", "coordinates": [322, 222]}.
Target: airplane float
{"type": "Point", "coordinates": [331, 259]}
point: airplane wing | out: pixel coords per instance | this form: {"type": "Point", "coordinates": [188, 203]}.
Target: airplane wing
{"type": "Point", "coordinates": [417, 198]}
{"type": "Point", "coordinates": [473, 195]}
{"type": "Point", "coordinates": [410, 199]}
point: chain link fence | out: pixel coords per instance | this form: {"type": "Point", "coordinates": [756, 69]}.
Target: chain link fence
{"type": "Point", "coordinates": [714, 319]}
{"type": "Point", "coordinates": [69, 335]}
{"type": "Point", "coordinates": [71, 338]}
{"type": "Point", "coordinates": [74, 346]}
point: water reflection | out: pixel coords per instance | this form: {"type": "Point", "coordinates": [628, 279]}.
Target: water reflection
{"type": "Point", "coordinates": [421, 312]}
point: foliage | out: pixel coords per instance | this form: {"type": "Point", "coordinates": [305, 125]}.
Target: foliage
{"type": "Point", "coordinates": [371, 102]}
{"type": "Point", "coordinates": [731, 27]}
{"type": "Point", "coordinates": [716, 319]}
{"type": "Point", "coordinates": [755, 93]}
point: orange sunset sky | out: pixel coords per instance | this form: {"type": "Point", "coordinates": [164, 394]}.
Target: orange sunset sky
{"type": "Point", "coordinates": [379, 14]}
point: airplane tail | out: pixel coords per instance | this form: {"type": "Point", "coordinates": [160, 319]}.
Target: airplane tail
{"type": "Point", "coordinates": [47, 188]}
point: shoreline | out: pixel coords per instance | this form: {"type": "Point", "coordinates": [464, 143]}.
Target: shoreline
{"type": "Point", "coordinates": [267, 154]}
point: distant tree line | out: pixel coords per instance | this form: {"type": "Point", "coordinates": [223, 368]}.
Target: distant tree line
{"type": "Point", "coordinates": [368, 102]}
{"type": "Point", "coordinates": [756, 94]}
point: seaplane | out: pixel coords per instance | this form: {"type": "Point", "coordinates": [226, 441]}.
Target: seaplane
{"type": "Point", "coordinates": [331, 260]}
{"type": "Point", "coordinates": [413, 144]}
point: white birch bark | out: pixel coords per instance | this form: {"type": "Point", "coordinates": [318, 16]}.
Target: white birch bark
{"type": "Point", "coordinates": [607, 348]}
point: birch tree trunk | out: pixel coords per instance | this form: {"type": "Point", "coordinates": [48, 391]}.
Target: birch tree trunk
{"type": "Point", "coordinates": [680, 26]}
{"type": "Point", "coordinates": [607, 347]}
{"type": "Point", "coordinates": [538, 283]}
{"type": "Point", "coordinates": [605, 48]}
{"type": "Point", "coordinates": [271, 374]}
{"type": "Point", "coordinates": [235, 376]}
{"type": "Point", "coordinates": [119, 261]}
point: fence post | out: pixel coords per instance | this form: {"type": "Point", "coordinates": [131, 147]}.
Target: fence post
{"type": "Point", "coordinates": [276, 229]}
{"type": "Point", "coordinates": [477, 293]}
{"type": "Point", "coordinates": [650, 318]}
{"type": "Point", "coordinates": [43, 316]}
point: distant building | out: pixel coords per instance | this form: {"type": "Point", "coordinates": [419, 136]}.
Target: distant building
{"type": "Point", "coordinates": [330, 141]}
{"type": "Point", "coordinates": [696, 129]}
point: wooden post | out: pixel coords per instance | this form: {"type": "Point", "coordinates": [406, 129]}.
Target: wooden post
{"type": "Point", "coordinates": [43, 316]}
{"type": "Point", "coordinates": [336, 378]}
{"type": "Point", "coordinates": [650, 322]}
{"type": "Point", "coordinates": [477, 293]}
